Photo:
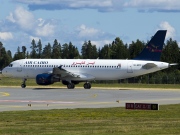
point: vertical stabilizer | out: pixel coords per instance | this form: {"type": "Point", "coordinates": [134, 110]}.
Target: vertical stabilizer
{"type": "Point", "coordinates": [153, 49]}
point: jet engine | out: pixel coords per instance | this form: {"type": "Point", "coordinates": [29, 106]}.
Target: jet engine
{"type": "Point", "coordinates": [46, 79]}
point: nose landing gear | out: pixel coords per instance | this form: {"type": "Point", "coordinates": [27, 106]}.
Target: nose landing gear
{"type": "Point", "coordinates": [23, 85]}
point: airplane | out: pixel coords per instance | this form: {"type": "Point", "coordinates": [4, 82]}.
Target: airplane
{"type": "Point", "coordinates": [74, 71]}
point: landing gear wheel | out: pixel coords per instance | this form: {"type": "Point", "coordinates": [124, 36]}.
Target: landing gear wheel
{"type": "Point", "coordinates": [23, 85]}
{"type": "Point", "coordinates": [87, 86]}
{"type": "Point", "coordinates": [71, 86]}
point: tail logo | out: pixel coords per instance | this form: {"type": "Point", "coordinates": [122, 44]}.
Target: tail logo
{"type": "Point", "coordinates": [153, 48]}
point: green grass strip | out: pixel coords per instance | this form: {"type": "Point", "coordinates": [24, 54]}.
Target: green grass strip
{"type": "Point", "coordinates": [104, 121]}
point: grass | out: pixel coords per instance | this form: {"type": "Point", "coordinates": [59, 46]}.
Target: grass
{"type": "Point", "coordinates": [6, 81]}
{"type": "Point", "coordinates": [102, 121]}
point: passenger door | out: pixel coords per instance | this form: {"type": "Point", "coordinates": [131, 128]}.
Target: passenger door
{"type": "Point", "coordinates": [130, 67]}
{"type": "Point", "coordinates": [19, 67]}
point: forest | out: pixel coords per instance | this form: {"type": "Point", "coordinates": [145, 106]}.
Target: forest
{"type": "Point", "coordinates": [115, 50]}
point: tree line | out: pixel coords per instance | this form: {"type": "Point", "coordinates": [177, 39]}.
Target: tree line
{"type": "Point", "coordinates": [115, 50]}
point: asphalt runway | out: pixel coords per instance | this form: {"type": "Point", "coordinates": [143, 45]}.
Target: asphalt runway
{"type": "Point", "coordinates": [59, 98]}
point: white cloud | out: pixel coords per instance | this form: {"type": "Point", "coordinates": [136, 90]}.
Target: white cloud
{"type": "Point", "coordinates": [104, 5]}
{"type": "Point", "coordinates": [154, 5]}
{"type": "Point", "coordinates": [35, 38]}
{"type": "Point", "coordinates": [87, 32]}
{"type": "Point", "coordinates": [45, 30]}
{"type": "Point", "coordinates": [6, 35]}
{"type": "Point", "coordinates": [11, 18]}
{"type": "Point", "coordinates": [40, 22]}
{"type": "Point", "coordinates": [24, 18]}
{"type": "Point", "coordinates": [179, 44]}
{"type": "Point", "coordinates": [84, 33]}
{"type": "Point", "coordinates": [24, 21]}
{"type": "Point", "coordinates": [170, 30]}
{"type": "Point", "coordinates": [101, 43]}
{"type": "Point", "coordinates": [22, 26]}
{"type": "Point", "coordinates": [100, 5]}
{"type": "Point", "coordinates": [90, 3]}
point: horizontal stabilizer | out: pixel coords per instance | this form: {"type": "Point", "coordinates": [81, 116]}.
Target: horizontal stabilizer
{"type": "Point", "coordinates": [149, 66]}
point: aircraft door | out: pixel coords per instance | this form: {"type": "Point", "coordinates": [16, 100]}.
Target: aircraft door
{"type": "Point", "coordinates": [130, 67]}
{"type": "Point", "coordinates": [19, 67]}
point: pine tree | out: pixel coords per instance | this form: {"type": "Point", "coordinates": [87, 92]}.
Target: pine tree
{"type": "Point", "coordinates": [47, 51]}
{"type": "Point", "coordinates": [34, 49]}
{"type": "Point", "coordinates": [39, 49]}
{"type": "Point", "coordinates": [135, 48]}
{"type": "Point", "coordinates": [89, 51]}
{"type": "Point", "coordinates": [65, 51]}
{"type": "Point", "coordinates": [56, 50]}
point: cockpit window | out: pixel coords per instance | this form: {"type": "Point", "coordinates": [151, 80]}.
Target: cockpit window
{"type": "Point", "coordinates": [10, 65]}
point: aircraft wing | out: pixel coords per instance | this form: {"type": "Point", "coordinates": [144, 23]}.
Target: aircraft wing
{"type": "Point", "coordinates": [149, 66]}
{"type": "Point", "coordinates": [63, 73]}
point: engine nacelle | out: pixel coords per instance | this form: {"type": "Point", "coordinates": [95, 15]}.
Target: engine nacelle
{"type": "Point", "coordinates": [46, 79]}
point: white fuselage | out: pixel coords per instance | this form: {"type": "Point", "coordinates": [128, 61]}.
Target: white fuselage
{"type": "Point", "coordinates": [97, 69]}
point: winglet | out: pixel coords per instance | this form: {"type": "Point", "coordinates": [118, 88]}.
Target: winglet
{"type": "Point", "coordinates": [153, 49]}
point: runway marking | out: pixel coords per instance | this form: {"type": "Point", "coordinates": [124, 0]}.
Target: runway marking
{"type": "Point", "coordinates": [37, 101]}
{"type": "Point", "coordinates": [153, 100]}
{"type": "Point", "coordinates": [4, 94]}
{"type": "Point", "coordinates": [54, 102]}
{"type": "Point", "coordinates": [10, 106]}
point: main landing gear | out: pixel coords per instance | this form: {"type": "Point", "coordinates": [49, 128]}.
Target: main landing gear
{"type": "Point", "coordinates": [23, 85]}
{"type": "Point", "coordinates": [70, 86]}
{"type": "Point", "coordinates": [87, 85]}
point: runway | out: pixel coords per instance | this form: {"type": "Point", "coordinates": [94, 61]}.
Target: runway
{"type": "Point", "coordinates": [58, 98]}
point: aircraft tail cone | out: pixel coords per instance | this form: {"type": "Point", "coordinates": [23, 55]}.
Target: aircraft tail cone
{"type": "Point", "coordinates": [173, 64]}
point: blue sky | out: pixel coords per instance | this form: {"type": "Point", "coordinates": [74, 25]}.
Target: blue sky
{"type": "Point", "coordinates": [100, 21]}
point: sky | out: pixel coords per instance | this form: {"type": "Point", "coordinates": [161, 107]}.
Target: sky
{"type": "Point", "coordinates": [76, 21]}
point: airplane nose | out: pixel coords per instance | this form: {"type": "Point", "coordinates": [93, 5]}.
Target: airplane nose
{"type": "Point", "coordinates": [4, 72]}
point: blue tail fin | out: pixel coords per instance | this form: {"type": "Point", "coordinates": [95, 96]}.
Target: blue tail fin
{"type": "Point", "coordinates": [153, 49]}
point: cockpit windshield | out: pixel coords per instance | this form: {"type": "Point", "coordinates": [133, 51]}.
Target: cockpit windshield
{"type": "Point", "coordinates": [10, 65]}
